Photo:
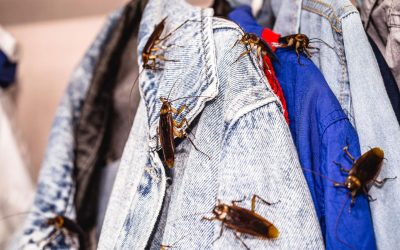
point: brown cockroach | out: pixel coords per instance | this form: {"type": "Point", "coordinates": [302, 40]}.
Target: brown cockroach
{"type": "Point", "coordinates": [301, 43]}
{"type": "Point", "coordinates": [243, 221]}
{"type": "Point", "coordinates": [363, 173]}
{"type": "Point", "coordinates": [153, 45]}
{"type": "Point", "coordinates": [168, 128]}
{"type": "Point", "coordinates": [61, 223]}
{"type": "Point", "coordinates": [253, 41]}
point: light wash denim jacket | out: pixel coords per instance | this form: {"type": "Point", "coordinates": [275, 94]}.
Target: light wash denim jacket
{"type": "Point", "coordinates": [353, 74]}
{"type": "Point", "coordinates": [55, 190]}
{"type": "Point", "coordinates": [239, 124]}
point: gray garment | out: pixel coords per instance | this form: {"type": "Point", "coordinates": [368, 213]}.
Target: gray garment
{"type": "Point", "coordinates": [239, 125]}
{"type": "Point", "coordinates": [125, 101]}
{"type": "Point", "coordinates": [107, 177]}
{"type": "Point", "coordinates": [381, 19]}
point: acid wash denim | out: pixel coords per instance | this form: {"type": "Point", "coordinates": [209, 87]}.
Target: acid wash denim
{"type": "Point", "coordinates": [239, 124]}
{"type": "Point", "coordinates": [353, 75]}
{"type": "Point", "coordinates": [55, 190]}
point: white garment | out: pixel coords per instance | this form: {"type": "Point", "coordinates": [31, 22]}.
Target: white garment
{"type": "Point", "coordinates": [16, 189]}
{"type": "Point", "coordinates": [8, 45]}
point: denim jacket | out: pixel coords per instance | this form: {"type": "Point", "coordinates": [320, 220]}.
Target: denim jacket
{"type": "Point", "coordinates": [239, 124]}
{"type": "Point", "coordinates": [353, 75]}
{"type": "Point", "coordinates": [56, 188]}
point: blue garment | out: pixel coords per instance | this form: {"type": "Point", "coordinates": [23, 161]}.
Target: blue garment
{"type": "Point", "coordinates": [242, 16]}
{"type": "Point", "coordinates": [7, 71]}
{"type": "Point", "coordinates": [320, 130]}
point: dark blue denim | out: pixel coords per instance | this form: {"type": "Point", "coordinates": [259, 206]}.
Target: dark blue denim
{"type": "Point", "coordinates": [7, 71]}
{"type": "Point", "coordinates": [388, 78]}
{"type": "Point", "coordinates": [321, 129]}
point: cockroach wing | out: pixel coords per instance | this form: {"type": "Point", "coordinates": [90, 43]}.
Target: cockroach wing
{"type": "Point", "coordinates": [368, 166]}
{"type": "Point", "coordinates": [245, 221]}
{"type": "Point", "coordinates": [75, 228]}
{"type": "Point", "coordinates": [166, 136]}
{"type": "Point", "coordinates": [158, 29]}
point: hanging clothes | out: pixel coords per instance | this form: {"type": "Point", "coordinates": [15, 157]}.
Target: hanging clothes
{"type": "Point", "coordinates": [359, 88]}
{"type": "Point", "coordinates": [381, 20]}
{"type": "Point", "coordinates": [320, 130]}
{"type": "Point", "coordinates": [237, 122]}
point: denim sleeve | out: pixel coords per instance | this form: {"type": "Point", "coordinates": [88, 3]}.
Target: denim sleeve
{"type": "Point", "coordinates": [55, 188]}
{"type": "Point", "coordinates": [271, 169]}
{"type": "Point", "coordinates": [377, 126]}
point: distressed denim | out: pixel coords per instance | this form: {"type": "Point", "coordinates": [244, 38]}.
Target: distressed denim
{"type": "Point", "coordinates": [239, 125]}
{"type": "Point", "coordinates": [56, 188]}
{"type": "Point", "coordinates": [353, 75]}
{"type": "Point", "coordinates": [381, 19]}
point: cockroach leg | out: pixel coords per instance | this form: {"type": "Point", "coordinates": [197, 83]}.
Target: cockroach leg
{"type": "Point", "coordinates": [253, 202]}
{"type": "Point", "coordinates": [181, 123]}
{"type": "Point", "coordinates": [346, 150]}
{"type": "Point", "coordinates": [370, 199]}
{"type": "Point", "coordinates": [220, 233]}
{"type": "Point", "coordinates": [49, 238]}
{"type": "Point", "coordinates": [381, 182]}
{"type": "Point", "coordinates": [180, 110]}
{"type": "Point", "coordinates": [195, 147]}
{"type": "Point", "coordinates": [238, 201]}
{"type": "Point", "coordinates": [341, 167]}
{"type": "Point", "coordinates": [240, 239]}
{"type": "Point", "coordinates": [164, 47]}
{"type": "Point", "coordinates": [209, 219]}
{"type": "Point", "coordinates": [241, 55]}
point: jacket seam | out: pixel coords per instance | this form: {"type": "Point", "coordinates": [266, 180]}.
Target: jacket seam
{"type": "Point", "coordinates": [338, 119]}
{"type": "Point", "coordinates": [250, 108]}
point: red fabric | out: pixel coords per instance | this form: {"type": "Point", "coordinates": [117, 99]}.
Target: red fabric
{"type": "Point", "coordinates": [271, 37]}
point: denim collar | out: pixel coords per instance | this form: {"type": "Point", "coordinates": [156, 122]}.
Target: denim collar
{"type": "Point", "coordinates": [198, 71]}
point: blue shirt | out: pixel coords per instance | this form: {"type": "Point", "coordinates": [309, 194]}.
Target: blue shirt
{"type": "Point", "coordinates": [320, 130]}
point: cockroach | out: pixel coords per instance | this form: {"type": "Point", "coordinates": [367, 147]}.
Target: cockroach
{"type": "Point", "coordinates": [153, 44]}
{"type": "Point", "coordinates": [361, 176]}
{"type": "Point", "coordinates": [61, 223]}
{"type": "Point", "coordinates": [253, 41]}
{"type": "Point", "coordinates": [168, 128]}
{"type": "Point", "coordinates": [243, 221]}
{"type": "Point", "coordinates": [301, 43]}
{"type": "Point", "coordinates": [363, 172]}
